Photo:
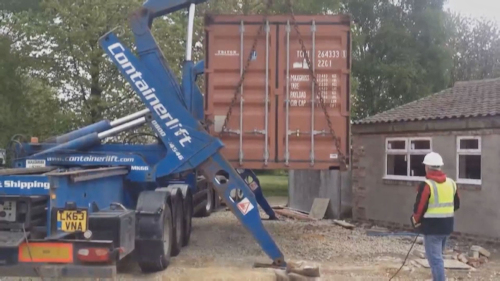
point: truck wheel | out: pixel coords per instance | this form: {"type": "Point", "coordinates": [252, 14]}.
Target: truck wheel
{"type": "Point", "coordinates": [161, 262]}
{"type": "Point", "coordinates": [209, 206]}
{"type": "Point", "coordinates": [178, 222]}
{"type": "Point", "coordinates": [188, 217]}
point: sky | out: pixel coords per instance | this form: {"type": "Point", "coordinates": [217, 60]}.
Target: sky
{"type": "Point", "coordinates": [489, 9]}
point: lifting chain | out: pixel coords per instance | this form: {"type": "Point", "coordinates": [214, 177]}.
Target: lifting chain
{"type": "Point", "coordinates": [342, 157]}
{"type": "Point", "coordinates": [242, 78]}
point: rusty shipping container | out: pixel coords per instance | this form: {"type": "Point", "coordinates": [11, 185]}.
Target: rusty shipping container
{"type": "Point", "coordinates": [278, 123]}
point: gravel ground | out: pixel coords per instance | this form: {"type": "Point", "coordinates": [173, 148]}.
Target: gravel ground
{"type": "Point", "coordinates": [221, 249]}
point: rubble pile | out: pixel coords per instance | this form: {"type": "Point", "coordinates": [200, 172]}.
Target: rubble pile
{"type": "Point", "coordinates": [454, 258]}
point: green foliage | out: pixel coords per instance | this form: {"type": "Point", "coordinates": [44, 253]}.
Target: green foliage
{"type": "Point", "coordinates": [26, 105]}
{"type": "Point", "coordinates": [274, 185]}
{"type": "Point", "coordinates": [15, 6]}
{"type": "Point", "coordinates": [399, 52]}
{"type": "Point", "coordinates": [476, 48]}
{"type": "Point", "coordinates": [402, 50]}
{"type": "Point", "coordinates": [64, 40]}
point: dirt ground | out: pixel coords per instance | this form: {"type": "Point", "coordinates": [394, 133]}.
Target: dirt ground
{"type": "Point", "coordinates": [221, 249]}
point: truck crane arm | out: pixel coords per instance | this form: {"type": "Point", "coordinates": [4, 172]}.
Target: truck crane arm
{"type": "Point", "coordinates": [189, 144]}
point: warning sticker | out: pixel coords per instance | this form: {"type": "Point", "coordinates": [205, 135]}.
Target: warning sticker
{"type": "Point", "coordinates": [245, 206]}
{"type": "Point", "coordinates": [253, 186]}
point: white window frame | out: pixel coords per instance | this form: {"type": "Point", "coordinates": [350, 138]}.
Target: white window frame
{"type": "Point", "coordinates": [468, 152]}
{"type": "Point", "coordinates": [407, 152]}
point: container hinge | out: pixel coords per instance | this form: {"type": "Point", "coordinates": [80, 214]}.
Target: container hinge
{"type": "Point", "coordinates": [231, 131]}
{"type": "Point", "coordinates": [256, 132]}
{"type": "Point", "coordinates": [322, 132]}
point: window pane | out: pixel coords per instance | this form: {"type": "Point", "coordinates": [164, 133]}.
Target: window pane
{"type": "Point", "coordinates": [469, 167]}
{"type": "Point", "coordinates": [469, 144]}
{"type": "Point", "coordinates": [421, 144]}
{"type": "Point", "coordinates": [397, 165]}
{"type": "Point", "coordinates": [417, 169]}
{"type": "Point", "coordinates": [396, 144]}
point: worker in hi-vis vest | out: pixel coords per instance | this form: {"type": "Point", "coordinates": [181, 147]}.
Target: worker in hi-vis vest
{"type": "Point", "coordinates": [433, 214]}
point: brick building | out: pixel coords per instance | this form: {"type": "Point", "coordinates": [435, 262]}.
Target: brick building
{"type": "Point", "coordinates": [461, 123]}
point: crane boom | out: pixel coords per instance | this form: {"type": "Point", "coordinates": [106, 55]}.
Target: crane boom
{"type": "Point", "coordinates": [190, 145]}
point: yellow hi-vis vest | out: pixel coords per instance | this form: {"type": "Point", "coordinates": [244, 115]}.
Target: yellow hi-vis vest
{"type": "Point", "coordinates": [441, 203]}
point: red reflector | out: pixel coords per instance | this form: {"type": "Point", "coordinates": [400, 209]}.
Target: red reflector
{"type": "Point", "coordinates": [93, 254]}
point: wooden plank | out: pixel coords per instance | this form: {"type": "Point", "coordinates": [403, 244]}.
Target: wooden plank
{"type": "Point", "coordinates": [294, 215]}
{"type": "Point", "coordinates": [344, 224]}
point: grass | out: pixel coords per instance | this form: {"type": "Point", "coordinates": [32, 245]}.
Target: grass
{"type": "Point", "coordinates": [274, 185]}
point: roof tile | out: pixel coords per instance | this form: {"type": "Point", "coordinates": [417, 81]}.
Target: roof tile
{"type": "Point", "coordinates": [466, 99]}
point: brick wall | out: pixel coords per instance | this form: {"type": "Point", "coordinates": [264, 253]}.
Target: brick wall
{"type": "Point", "coordinates": [358, 179]}
{"type": "Point", "coordinates": [390, 202]}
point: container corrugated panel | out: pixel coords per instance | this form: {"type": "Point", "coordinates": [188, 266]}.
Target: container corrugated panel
{"type": "Point", "coordinates": [291, 132]}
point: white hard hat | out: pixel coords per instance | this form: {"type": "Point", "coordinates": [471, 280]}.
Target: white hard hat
{"type": "Point", "coordinates": [433, 159]}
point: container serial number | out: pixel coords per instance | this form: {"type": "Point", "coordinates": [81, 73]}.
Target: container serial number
{"type": "Point", "coordinates": [332, 54]}
{"type": "Point", "coordinates": [325, 63]}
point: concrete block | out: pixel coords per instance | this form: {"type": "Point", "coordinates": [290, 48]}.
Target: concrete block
{"type": "Point", "coordinates": [463, 258]}
{"type": "Point", "coordinates": [306, 185]}
{"type": "Point", "coordinates": [475, 254]}
{"type": "Point", "coordinates": [319, 208]}
{"type": "Point", "coordinates": [419, 253]}
{"type": "Point", "coordinates": [480, 250]}
{"type": "Point", "coordinates": [303, 268]}
{"type": "Point", "coordinates": [474, 262]}
{"type": "Point", "coordinates": [281, 275]}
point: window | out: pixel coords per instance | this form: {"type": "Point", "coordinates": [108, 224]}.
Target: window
{"type": "Point", "coordinates": [469, 160]}
{"type": "Point", "coordinates": [404, 157]}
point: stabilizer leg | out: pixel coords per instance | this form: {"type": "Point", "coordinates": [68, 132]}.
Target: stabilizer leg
{"type": "Point", "coordinates": [245, 210]}
{"type": "Point", "coordinates": [257, 191]}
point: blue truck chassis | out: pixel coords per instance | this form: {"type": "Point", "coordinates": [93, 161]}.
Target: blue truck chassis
{"type": "Point", "coordinates": [74, 207]}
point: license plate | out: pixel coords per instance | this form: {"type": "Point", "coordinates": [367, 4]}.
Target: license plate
{"type": "Point", "coordinates": [46, 252]}
{"type": "Point", "coordinates": [72, 220]}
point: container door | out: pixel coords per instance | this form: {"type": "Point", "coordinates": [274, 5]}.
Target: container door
{"type": "Point", "coordinates": [304, 137]}
{"type": "Point", "coordinates": [251, 126]}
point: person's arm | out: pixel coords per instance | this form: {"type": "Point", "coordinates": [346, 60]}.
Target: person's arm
{"type": "Point", "coordinates": [421, 202]}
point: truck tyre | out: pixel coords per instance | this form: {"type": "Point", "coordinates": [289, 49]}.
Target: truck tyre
{"type": "Point", "coordinates": [178, 222]}
{"type": "Point", "coordinates": [160, 261]}
{"type": "Point", "coordinates": [188, 217]}
{"type": "Point", "coordinates": [209, 206]}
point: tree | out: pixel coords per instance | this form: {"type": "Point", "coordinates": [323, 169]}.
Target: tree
{"type": "Point", "coordinates": [476, 48]}
{"type": "Point", "coordinates": [27, 106]}
{"type": "Point", "coordinates": [64, 40]}
{"type": "Point", "coordinates": [399, 52]}
{"type": "Point", "coordinates": [14, 6]}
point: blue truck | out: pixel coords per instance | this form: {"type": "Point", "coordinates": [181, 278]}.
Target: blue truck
{"type": "Point", "coordinates": [71, 206]}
